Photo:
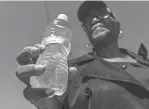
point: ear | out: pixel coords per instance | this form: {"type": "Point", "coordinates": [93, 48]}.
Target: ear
{"type": "Point", "coordinates": [84, 29]}
{"type": "Point", "coordinates": [118, 27]}
{"type": "Point", "coordinates": [119, 31]}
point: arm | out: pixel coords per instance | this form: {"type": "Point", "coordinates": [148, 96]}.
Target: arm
{"type": "Point", "coordinates": [39, 97]}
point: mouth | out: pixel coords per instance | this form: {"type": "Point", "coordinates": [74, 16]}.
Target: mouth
{"type": "Point", "coordinates": [99, 30]}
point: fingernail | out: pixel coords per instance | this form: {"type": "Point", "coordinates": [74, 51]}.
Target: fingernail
{"type": "Point", "coordinates": [35, 48]}
{"type": "Point", "coordinates": [35, 51]}
{"type": "Point", "coordinates": [41, 47]}
{"type": "Point", "coordinates": [73, 69]}
{"type": "Point", "coordinates": [39, 68]}
{"type": "Point", "coordinates": [49, 92]}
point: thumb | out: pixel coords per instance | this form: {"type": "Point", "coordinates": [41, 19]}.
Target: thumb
{"type": "Point", "coordinates": [49, 92]}
{"type": "Point", "coordinates": [36, 93]}
{"type": "Point", "coordinates": [73, 71]}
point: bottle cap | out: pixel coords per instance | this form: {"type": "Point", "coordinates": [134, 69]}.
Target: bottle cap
{"type": "Point", "coordinates": [62, 16]}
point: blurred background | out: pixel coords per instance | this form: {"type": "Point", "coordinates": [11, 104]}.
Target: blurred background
{"type": "Point", "coordinates": [23, 23]}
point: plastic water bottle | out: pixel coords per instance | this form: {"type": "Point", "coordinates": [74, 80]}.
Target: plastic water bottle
{"type": "Point", "coordinates": [58, 47]}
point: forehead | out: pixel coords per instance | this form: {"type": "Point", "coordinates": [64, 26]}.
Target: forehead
{"type": "Point", "coordinates": [98, 12]}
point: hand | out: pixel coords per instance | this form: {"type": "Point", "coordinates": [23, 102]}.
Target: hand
{"type": "Point", "coordinates": [27, 59]}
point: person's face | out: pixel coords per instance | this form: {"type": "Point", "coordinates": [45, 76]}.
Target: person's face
{"type": "Point", "coordinates": [100, 25]}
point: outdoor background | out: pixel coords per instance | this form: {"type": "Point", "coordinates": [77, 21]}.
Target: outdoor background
{"type": "Point", "coordinates": [22, 24]}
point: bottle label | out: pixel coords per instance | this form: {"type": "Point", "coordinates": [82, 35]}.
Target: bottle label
{"type": "Point", "coordinates": [52, 39]}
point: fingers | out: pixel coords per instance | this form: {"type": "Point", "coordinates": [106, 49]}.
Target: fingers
{"type": "Point", "coordinates": [41, 47]}
{"type": "Point", "coordinates": [36, 93]}
{"type": "Point", "coordinates": [30, 54]}
{"type": "Point", "coordinates": [25, 72]}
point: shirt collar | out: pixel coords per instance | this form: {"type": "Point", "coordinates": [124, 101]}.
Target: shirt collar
{"type": "Point", "coordinates": [121, 59]}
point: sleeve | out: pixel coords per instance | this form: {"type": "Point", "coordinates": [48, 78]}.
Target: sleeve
{"type": "Point", "coordinates": [41, 101]}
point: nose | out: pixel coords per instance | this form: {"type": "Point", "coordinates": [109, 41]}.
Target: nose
{"type": "Point", "coordinates": [95, 20]}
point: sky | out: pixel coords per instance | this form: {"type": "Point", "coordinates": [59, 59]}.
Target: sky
{"type": "Point", "coordinates": [22, 24]}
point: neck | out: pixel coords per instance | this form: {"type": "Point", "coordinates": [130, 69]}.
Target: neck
{"type": "Point", "coordinates": [108, 51]}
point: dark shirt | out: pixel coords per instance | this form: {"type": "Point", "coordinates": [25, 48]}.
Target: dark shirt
{"type": "Point", "coordinates": [130, 72]}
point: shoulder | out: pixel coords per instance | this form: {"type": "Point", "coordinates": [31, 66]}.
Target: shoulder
{"type": "Point", "coordinates": [81, 60]}
{"type": "Point", "coordinates": [140, 69]}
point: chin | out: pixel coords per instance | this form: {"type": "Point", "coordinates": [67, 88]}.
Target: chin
{"type": "Point", "coordinates": [101, 39]}
{"type": "Point", "coordinates": [98, 41]}
{"type": "Point", "coordinates": [100, 36]}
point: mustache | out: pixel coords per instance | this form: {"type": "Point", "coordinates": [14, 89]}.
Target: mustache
{"type": "Point", "coordinates": [95, 22]}
{"type": "Point", "coordinates": [98, 24]}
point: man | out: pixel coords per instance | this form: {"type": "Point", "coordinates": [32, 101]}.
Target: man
{"type": "Point", "coordinates": [99, 80]}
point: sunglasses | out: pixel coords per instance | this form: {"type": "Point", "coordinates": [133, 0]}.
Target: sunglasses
{"type": "Point", "coordinates": [98, 16]}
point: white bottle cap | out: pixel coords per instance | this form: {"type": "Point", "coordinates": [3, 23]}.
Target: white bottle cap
{"type": "Point", "coordinates": [62, 16]}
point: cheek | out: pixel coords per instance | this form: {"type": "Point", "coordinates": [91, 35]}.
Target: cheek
{"type": "Point", "coordinates": [108, 23]}
{"type": "Point", "coordinates": [111, 25]}
{"type": "Point", "coordinates": [89, 33]}
{"type": "Point", "coordinates": [89, 36]}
